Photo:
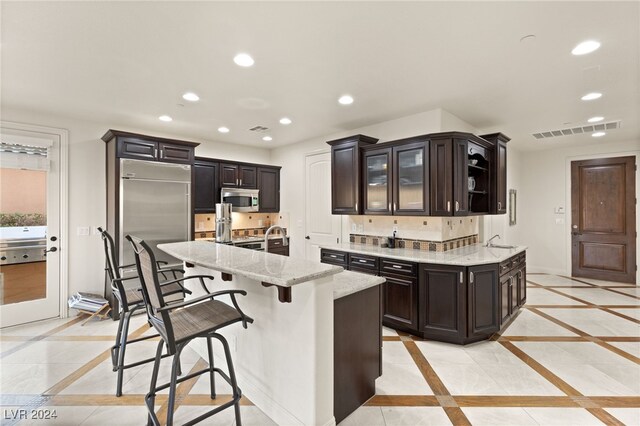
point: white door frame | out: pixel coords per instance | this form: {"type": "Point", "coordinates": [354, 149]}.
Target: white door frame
{"type": "Point", "coordinates": [63, 242]}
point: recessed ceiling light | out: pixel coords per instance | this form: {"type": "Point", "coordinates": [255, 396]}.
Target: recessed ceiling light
{"type": "Point", "coordinates": [285, 121]}
{"type": "Point", "coordinates": [191, 97]}
{"type": "Point", "coordinates": [585, 47]}
{"type": "Point", "coordinates": [223, 129]}
{"type": "Point", "coordinates": [267, 138]}
{"type": "Point", "coordinates": [591, 96]}
{"type": "Point", "coordinates": [243, 60]}
{"type": "Point", "coordinates": [165, 118]}
{"type": "Point", "coordinates": [345, 100]}
{"type": "Point", "coordinates": [598, 134]}
{"type": "Point", "coordinates": [595, 119]}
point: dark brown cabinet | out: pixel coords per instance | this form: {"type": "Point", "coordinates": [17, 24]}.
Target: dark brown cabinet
{"type": "Point", "coordinates": [276, 246]}
{"type": "Point", "coordinates": [513, 286]}
{"type": "Point", "coordinates": [498, 173]}
{"type": "Point", "coordinates": [206, 190]}
{"type": "Point", "coordinates": [269, 187]}
{"type": "Point", "coordinates": [143, 147]}
{"type": "Point", "coordinates": [346, 192]}
{"type": "Point", "coordinates": [410, 183]}
{"type": "Point", "coordinates": [441, 166]}
{"type": "Point", "coordinates": [483, 316]}
{"type": "Point", "coordinates": [399, 294]}
{"type": "Point", "coordinates": [505, 298]}
{"type": "Point", "coordinates": [238, 176]}
{"type": "Point", "coordinates": [442, 302]}
{"type": "Point", "coordinates": [376, 172]}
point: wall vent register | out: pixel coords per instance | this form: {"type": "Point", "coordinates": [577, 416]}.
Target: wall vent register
{"type": "Point", "coordinates": [611, 125]}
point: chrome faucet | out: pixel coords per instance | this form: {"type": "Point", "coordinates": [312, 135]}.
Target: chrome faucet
{"type": "Point", "coordinates": [285, 240]}
{"type": "Point", "coordinates": [491, 239]}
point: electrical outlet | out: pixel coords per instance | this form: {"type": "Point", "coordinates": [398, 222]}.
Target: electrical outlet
{"type": "Point", "coordinates": [83, 231]}
{"type": "Point", "coordinates": [360, 228]}
{"type": "Point", "coordinates": [354, 227]}
{"type": "Point", "coordinates": [395, 228]}
{"type": "Point", "coordinates": [559, 221]}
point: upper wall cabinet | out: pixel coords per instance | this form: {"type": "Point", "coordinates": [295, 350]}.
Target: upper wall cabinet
{"type": "Point", "coordinates": [461, 165]}
{"type": "Point", "coordinates": [269, 186]}
{"type": "Point", "coordinates": [498, 199]}
{"type": "Point", "coordinates": [346, 154]}
{"type": "Point", "coordinates": [206, 187]}
{"type": "Point", "coordinates": [143, 147]}
{"type": "Point", "coordinates": [233, 175]}
{"type": "Point", "coordinates": [396, 178]}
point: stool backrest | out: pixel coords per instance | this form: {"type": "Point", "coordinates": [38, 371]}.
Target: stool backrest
{"type": "Point", "coordinates": [151, 291]}
{"type": "Point", "coordinates": [110, 254]}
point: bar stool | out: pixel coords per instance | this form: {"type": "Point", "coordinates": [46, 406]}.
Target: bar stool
{"type": "Point", "coordinates": [179, 324]}
{"type": "Point", "coordinates": [130, 300]}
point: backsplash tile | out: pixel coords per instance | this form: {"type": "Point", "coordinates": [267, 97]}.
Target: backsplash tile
{"type": "Point", "coordinates": [437, 246]}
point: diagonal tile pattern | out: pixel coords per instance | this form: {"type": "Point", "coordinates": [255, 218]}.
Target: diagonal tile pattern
{"type": "Point", "coordinates": [572, 356]}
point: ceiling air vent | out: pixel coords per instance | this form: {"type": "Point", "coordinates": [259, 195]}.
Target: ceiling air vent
{"type": "Point", "coordinates": [578, 130]}
{"type": "Point", "coordinates": [259, 129]}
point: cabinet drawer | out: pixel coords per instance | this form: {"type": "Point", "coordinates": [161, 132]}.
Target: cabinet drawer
{"type": "Point", "coordinates": [505, 266]}
{"type": "Point", "coordinates": [368, 271]}
{"type": "Point", "coordinates": [137, 148]}
{"type": "Point", "coordinates": [175, 153]}
{"type": "Point", "coordinates": [398, 267]}
{"type": "Point", "coordinates": [362, 261]}
{"type": "Point", "coordinates": [334, 257]}
{"type": "Point", "coordinates": [275, 242]}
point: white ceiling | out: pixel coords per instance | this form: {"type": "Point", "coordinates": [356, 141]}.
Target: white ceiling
{"type": "Point", "coordinates": [127, 63]}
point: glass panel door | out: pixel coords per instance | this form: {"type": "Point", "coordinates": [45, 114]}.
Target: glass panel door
{"type": "Point", "coordinates": [377, 192]}
{"type": "Point", "coordinates": [411, 180]}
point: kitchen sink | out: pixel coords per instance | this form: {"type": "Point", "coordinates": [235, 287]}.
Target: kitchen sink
{"type": "Point", "coordinates": [501, 246]}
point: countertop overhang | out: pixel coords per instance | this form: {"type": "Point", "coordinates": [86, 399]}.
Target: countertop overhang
{"type": "Point", "coordinates": [475, 254]}
{"type": "Point", "coordinates": [282, 271]}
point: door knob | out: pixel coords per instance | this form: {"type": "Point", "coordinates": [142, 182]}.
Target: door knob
{"type": "Point", "coordinates": [52, 249]}
{"type": "Point", "coordinates": [307, 237]}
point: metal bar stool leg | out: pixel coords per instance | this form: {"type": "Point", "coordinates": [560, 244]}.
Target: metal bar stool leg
{"type": "Point", "coordinates": [232, 375]}
{"type": "Point", "coordinates": [150, 398]}
{"type": "Point", "coordinates": [116, 348]}
{"type": "Point", "coordinates": [212, 372]}
{"type": "Point", "coordinates": [175, 366]}
{"type": "Point", "coordinates": [121, 352]}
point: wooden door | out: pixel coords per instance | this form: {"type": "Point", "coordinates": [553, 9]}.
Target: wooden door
{"type": "Point", "coordinates": [376, 174]}
{"type": "Point", "coordinates": [171, 153]}
{"type": "Point", "coordinates": [205, 187]}
{"type": "Point", "coordinates": [411, 179]}
{"type": "Point", "coordinates": [345, 179]}
{"type": "Point", "coordinates": [248, 177]}
{"type": "Point", "coordinates": [603, 214]}
{"type": "Point", "coordinates": [460, 178]}
{"type": "Point", "coordinates": [442, 302]}
{"type": "Point", "coordinates": [229, 175]}
{"type": "Point", "coordinates": [505, 298]}
{"type": "Point", "coordinates": [269, 187]}
{"type": "Point", "coordinates": [400, 304]}
{"type": "Point", "coordinates": [482, 300]}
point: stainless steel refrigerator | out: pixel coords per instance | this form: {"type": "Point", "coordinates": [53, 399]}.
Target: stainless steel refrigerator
{"type": "Point", "coordinates": [154, 205]}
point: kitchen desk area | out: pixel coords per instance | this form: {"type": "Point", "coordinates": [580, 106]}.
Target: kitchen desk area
{"type": "Point", "coordinates": [285, 359]}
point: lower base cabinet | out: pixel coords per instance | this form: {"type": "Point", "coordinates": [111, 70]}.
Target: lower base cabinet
{"type": "Point", "coordinates": [441, 302]}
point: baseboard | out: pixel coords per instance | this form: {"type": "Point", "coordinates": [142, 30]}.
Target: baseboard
{"type": "Point", "coordinates": [543, 270]}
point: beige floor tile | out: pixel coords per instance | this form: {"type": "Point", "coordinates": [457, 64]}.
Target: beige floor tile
{"type": "Point", "coordinates": [386, 331]}
{"type": "Point", "coordinates": [530, 324]}
{"type": "Point", "coordinates": [520, 379]}
{"type": "Point", "coordinates": [396, 353]}
{"type": "Point", "coordinates": [365, 416]}
{"type": "Point", "coordinates": [122, 416]}
{"type": "Point", "coordinates": [562, 416]}
{"type": "Point", "coordinates": [35, 328]}
{"type": "Point", "coordinates": [553, 280]}
{"type": "Point", "coordinates": [595, 322]}
{"type": "Point", "coordinates": [633, 313]}
{"type": "Point", "coordinates": [54, 352]}
{"type": "Point", "coordinates": [67, 416]}
{"type": "Point", "coordinates": [630, 347]}
{"type": "Point", "coordinates": [490, 352]}
{"type": "Point", "coordinates": [444, 353]}
{"type": "Point", "coordinates": [599, 296]}
{"type": "Point", "coordinates": [540, 296]}
{"type": "Point", "coordinates": [33, 378]}
{"type": "Point", "coordinates": [624, 372]}
{"type": "Point", "coordinates": [467, 379]}
{"type": "Point", "coordinates": [401, 379]}
{"type": "Point", "coordinates": [589, 380]}
{"type": "Point", "coordinates": [414, 416]}
{"type": "Point", "coordinates": [101, 380]}
{"type": "Point", "coordinates": [591, 353]}
{"type": "Point", "coordinates": [628, 416]}
{"type": "Point", "coordinates": [139, 383]}
{"type": "Point", "coordinates": [185, 413]}
{"type": "Point", "coordinates": [498, 416]}
{"type": "Point", "coordinates": [634, 291]}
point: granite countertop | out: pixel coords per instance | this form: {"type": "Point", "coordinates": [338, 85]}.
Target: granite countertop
{"type": "Point", "coordinates": [475, 254]}
{"type": "Point", "coordinates": [245, 238]}
{"type": "Point", "coordinates": [347, 282]}
{"type": "Point", "coordinates": [253, 264]}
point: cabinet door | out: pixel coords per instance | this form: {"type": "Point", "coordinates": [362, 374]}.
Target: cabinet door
{"type": "Point", "coordinates": [440, 164]}
{"type": "Point", "coordinates": [411, 179]}
{"type": "Point", "coordinates": [522, 286]}
{"type": "Point", "coordinates": [170, 153]}
{"type": "Point", "coordinates": [248, 177]}
{"type": "Point", "coordinates": [460, 178]}
{"type": "Point", "coordinates": [500, 187]}
{"type": "Point", "coordinates": [505, 298]}
{"type": "Point", "coordinates": [137, 148]}
{"type": "Point", "coordinates": [400, 302]}
{"type": "Point", "coordinates": [345, 179]}
{"type": "Point", "coordinates": [205, 187]}
{"type": "Point", "coordinates": [269, 187]}
{"type": "Point", "coordinates": [442, 302]}
{"type": "Point", "coordinates": [482, 300]}
{"type": "Point", "coordinates": [229, 175]}
{"type": "Point", "coordinates": [376, 172]}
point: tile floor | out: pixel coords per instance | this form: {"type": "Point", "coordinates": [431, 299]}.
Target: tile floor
{"type": "Point", "coordinates": [571, 357]}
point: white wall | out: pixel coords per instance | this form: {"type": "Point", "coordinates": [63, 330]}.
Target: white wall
{"type": "Point", "coordinates": [87, 186]}
{"type": "Point", "coordinates": [546, 184]}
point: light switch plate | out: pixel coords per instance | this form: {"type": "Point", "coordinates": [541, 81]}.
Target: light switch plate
{"type": "Point", "coordinates": [559, 221]}
{"type": "Point", "coordinates": [83, 231]}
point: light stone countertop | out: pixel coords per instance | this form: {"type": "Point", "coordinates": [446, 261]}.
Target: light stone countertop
{"type": "Point", "coordinates": [475, 254]}
{"type": "Point", "coordinates": [347, 282]}
{"type": "Point", "coordinates": [253, 264]}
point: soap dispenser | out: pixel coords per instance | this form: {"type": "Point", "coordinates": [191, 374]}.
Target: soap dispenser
{"type": "Point", "coordinates": [391, 241]}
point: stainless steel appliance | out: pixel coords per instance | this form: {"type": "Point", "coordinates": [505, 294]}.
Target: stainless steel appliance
{"type": "Point", "coordinates": [241, 200]}
{"type": "Point", "coordinates": [251, 243]}
{"type": "Point", "coordinates": [285, 239]}
{"type": "Point", "coordinates": [223, 223]}
{"type": "Point", "coordinates": [154, 205]}
{"type": "Point", "coordinates": [22, 244]}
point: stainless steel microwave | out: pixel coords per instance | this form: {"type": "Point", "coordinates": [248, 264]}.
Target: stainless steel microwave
{"type": "Point", "coordinates": [241, 200]}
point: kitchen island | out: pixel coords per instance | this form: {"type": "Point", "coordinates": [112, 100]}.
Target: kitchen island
{"type": "Point", "coordinates": [285, 359]}
{"type": "Point", "coordinates": [459, 296]}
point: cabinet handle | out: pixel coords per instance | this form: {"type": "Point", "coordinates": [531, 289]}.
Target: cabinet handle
{"type": "Point", "coordinates": [333, 255]}
{"type": "Point", "coordinates": [457, 206]}
{"type": "Point", "coordinates": [461, 277]}
{"type": "Point", "coordinates": [362, 261]}
{"type": "Point", "coordinates": [395, 207]}
{"type": "Point", "coordinates": [389, 205]}
{"type": "Point", "coordinates": [396, 266]}
{"type": "Point", "coordinates": [356, 206]}
{"type": "Point", "coordinates": [155, 152]}
{"type": "Point", "coordinates": [161, 154]}
{"type": "Point", "coordinates": [448, 206]}
{"type": "Point", "coordinates": [471, 277]}
{"type": "Point", "coordinates": [499, 205]}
